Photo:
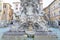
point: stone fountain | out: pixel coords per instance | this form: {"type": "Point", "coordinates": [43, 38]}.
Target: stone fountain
{"type": "Point", "coordinates": [30, 23]}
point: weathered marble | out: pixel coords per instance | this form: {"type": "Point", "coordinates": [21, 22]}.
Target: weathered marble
{"type": "Point", "coordinates": [31, 20]}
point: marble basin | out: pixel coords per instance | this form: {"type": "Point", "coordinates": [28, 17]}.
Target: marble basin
{"type": "Point", "coordinates": [30, 32]}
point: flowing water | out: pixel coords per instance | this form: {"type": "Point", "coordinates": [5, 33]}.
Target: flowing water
{"type": "Point", "coordinates": [57, 31]}
{"type": "Point", "coordinates": [2, 30]}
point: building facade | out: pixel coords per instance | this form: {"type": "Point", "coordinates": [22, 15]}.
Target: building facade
{"type": "Point", "coordinates": [16, 11]}
{"type": "Point", "coordinates": [7, 14]}
{"type": "Point", "coordinates": [53, 11]}
{"type": "Point", "coordinates": [1, 8]}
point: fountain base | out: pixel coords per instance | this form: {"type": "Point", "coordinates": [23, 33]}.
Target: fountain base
{"type": "Point", "coordinates": [24, 36]}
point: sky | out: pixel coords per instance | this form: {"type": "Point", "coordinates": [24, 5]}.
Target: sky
{"type": "Point", "coordinates": [45, 2]}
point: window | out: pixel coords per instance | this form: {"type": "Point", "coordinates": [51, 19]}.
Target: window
{"type": "Point", "coordinates": [59, 23]}
{"type": "Point", "coordinates": [0, 10]}
{"type": "Point", "coordinates": [4, 12]}
{"type": "Point", "coordinates": [4, 6]}
{"type": "Point", "coordinates": [54, 7]}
